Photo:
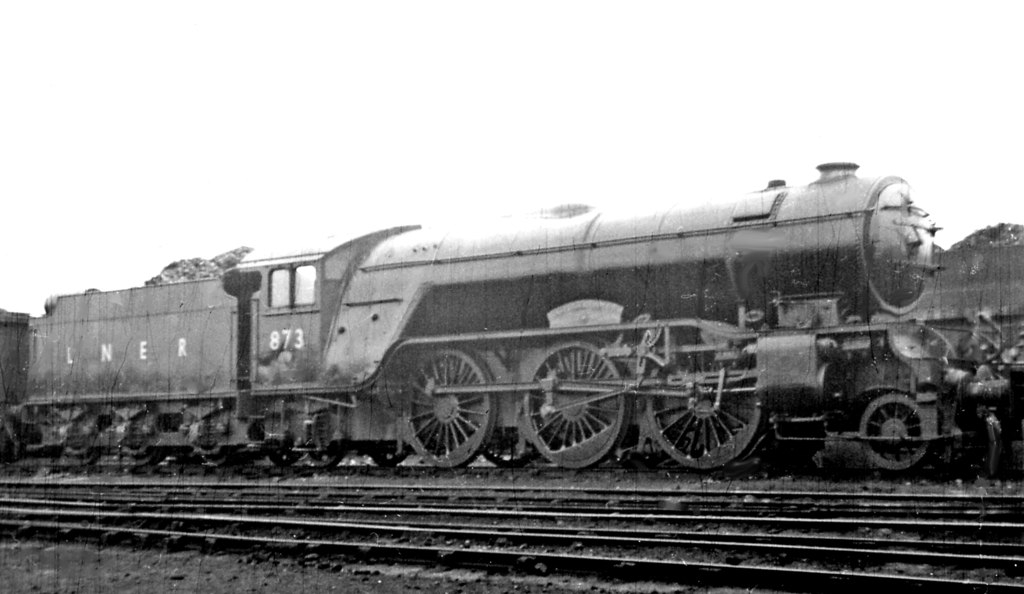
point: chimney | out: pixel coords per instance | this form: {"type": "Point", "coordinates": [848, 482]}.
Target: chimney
{"type": "Point", "coordinates": [834, 171]}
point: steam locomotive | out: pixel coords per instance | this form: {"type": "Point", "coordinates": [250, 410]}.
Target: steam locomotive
{"type": "Point", "coordinates": [692, 334]}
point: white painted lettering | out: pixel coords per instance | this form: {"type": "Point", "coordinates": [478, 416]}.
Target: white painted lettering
{"type": "Point", "coordinates": [287, 339]}
{"type": "Point", "coordinates": [70, 360]}
{"type": "Point", "coordinates": [181, 348]}
{"type": "Point", "coordinates": [106, 352]}
{"type": "Point", "coordinates": [142, 349]}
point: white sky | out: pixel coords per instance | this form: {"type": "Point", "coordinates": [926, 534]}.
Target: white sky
{"type": "Point", "coordinates": [137, 133]}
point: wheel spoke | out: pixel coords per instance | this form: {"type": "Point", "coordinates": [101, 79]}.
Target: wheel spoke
{"type": "Point", "coordinates": [462, 374]}
{"type": "Point", "coordinates": [686, 431]}
{"type": "Point", "coordinates": [579, 432]}
{"type": "Point", "coordinates": [463, 435]}
{"type": "Point", "coordinates": [728, 430]}
{"type": "Point", "coordinates": [471, 426]}
{"type": "Point", "coordinates": [592, 423]}
{"type": "Point", "coordinates": [687, 414]}
{"type": "Point", "coordinates": [431, 427]}
{"type": "Point", "coordinates": [470, 411]}
{"type": "Point", "coordinates": [556, 421]}
{"type": "Point", "coordinates": [735, 421]}
{"type": "Point", "coordinates": [422, 415]}
{"type": "Point", "coordinates": [723, 435]}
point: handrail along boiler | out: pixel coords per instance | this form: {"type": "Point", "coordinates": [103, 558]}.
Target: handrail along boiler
{"type": "Point", "coordinates": [691, 333]}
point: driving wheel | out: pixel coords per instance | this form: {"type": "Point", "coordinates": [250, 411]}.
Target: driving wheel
{"type": "Point", "coordinates": [447, 428]}
{"type": "Point", "coordinates": [578, 415]}
{"type": "Point", "coordinates": [707, 426]}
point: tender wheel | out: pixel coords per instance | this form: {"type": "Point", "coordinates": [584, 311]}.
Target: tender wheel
{"type": "Point", "coordinates": [284, 455]}
{"type": "Point", "coordinates": [81, 443]}
{"type": "Point", "coordinates": [706, 428]}
{"type": "Point", "coordinates": [895, 417]}
{"type": "Point", "coordinates": [138, 440]}
{"type": "Point", "coordinates": [576, 428]}
{"type": "Point", "coordinates": [208, 436]}
{"type": "Point", "coordinates": [446, 429]}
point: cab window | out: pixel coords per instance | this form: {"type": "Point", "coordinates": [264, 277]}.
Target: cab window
{"type": "Point", "coordinates": [305, 283]}
{"type": "Point", "coordinates": [280, 287]}
{"type": "Point", "coordinates": [290, 287]}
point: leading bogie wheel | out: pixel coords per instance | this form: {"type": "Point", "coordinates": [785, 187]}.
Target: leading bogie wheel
{"type": "Point", "coordinates": [572, 424]}
{"type": "Point", "coordinates": [447, 429]}
{"type": "Point", "coordinates": [893, 426]}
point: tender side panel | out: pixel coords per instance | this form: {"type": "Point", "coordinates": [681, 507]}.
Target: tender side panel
{"type": "Point", "coordinates": [149, 341]}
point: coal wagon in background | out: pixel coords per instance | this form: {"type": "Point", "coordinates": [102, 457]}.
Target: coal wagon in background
{"type": "Point", "coordinates": [976, 303]}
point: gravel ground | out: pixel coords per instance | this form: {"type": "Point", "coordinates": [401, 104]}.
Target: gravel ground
{"type": "Point", "coordinates": [46, 567]}
{"type": "Point", "coordinates": [82, 568]}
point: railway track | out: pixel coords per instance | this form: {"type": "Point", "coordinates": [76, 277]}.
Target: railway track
{"type": "Point", "coordinates": [738, 503]}
{"type": "Point", "coordinates": [850, 541]}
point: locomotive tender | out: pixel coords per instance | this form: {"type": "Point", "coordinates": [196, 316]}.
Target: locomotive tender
{"type": "Point", "coordinates": [692, 333]}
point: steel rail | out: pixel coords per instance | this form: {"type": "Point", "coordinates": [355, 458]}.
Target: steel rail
{"type": "Point", "coordinates": [706, 492]}
{"type": "Point", "coordinates": [327, 502]}
{"type": "Point", "coordinates": [540, 498]}
{"type": "Point", "coordinates": [527, 492]}
{"type": "Point", "coordinates": [844, 524]}
{"type": "Point", "coordinates": [1006, 556]}
{"type": "Point", "coordinates": [666, 571]}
